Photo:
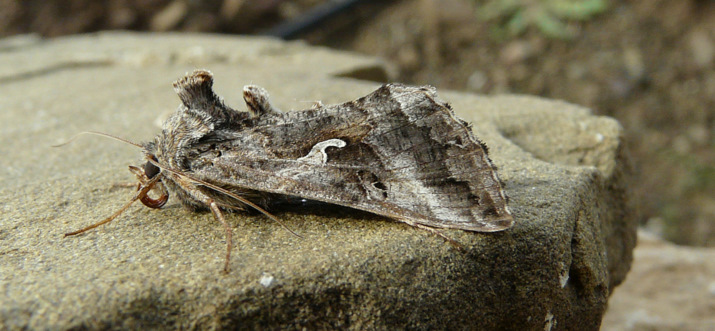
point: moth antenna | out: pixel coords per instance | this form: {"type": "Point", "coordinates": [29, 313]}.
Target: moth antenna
{"type": "Point", "coordinates": [106, 135]}
{"type": "Point", "coordinates": [229, 193]}
{"type": "Point", "coordinates": [142, 192]}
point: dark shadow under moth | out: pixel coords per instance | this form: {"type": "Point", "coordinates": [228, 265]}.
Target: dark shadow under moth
{"type": "Point", "coordinates": [399, 152]}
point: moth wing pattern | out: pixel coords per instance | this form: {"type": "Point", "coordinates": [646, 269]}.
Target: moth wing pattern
{"type": "Point", "coordinates": [399, 152]}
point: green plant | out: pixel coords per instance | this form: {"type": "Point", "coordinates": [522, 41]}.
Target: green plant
{"type": "Point", "coordinates": [546, 15]}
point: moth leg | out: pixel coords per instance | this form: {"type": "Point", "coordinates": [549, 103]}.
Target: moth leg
{"type": "Point", "coordinates": [257, 101]}
{"type": "Point", "coordinates": [143, 190]}
{"type": "Point", "coordinates": [229, 242]}
{"type": "Point", "coordinates": [439, 233]}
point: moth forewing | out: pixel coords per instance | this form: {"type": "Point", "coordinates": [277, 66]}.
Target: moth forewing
{"type": "Point", "coordinates": [398, 152]}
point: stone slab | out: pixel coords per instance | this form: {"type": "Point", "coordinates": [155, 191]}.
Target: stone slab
{"type": "Point", "coordinates": [564, 169]}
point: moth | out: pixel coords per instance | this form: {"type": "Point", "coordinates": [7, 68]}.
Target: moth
{"type": "Point", "coordinates": [399, 152]}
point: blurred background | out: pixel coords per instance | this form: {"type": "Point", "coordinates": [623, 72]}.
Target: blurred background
{"type": "Point", "coordinates": [650, 64]}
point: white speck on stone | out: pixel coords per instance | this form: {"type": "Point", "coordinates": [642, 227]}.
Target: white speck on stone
{"type": "Point", "coordinates": [266, 280]}
{"type": "Point", "coordinates": [564, 278]}
{"type": "Point", "coordinates": [600, 137]}
{"type": "Point", "coordinates": [550, 321]}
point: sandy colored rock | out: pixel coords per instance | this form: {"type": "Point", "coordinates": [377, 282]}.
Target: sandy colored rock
{"type": "Point", "coordinates": [563, 168]}
{"type": "Point", "coordinates": [671, 287]}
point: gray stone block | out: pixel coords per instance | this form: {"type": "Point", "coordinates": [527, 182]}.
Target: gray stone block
{"type": "Point", "coordinates": [565, 171]}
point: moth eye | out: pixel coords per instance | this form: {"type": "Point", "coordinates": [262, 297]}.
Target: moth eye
{"type": "Point", "coordinates": [150, 170]}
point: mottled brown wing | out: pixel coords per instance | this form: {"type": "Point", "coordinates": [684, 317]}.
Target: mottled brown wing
{"type": "Point", "coordinates": [398, 152]}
